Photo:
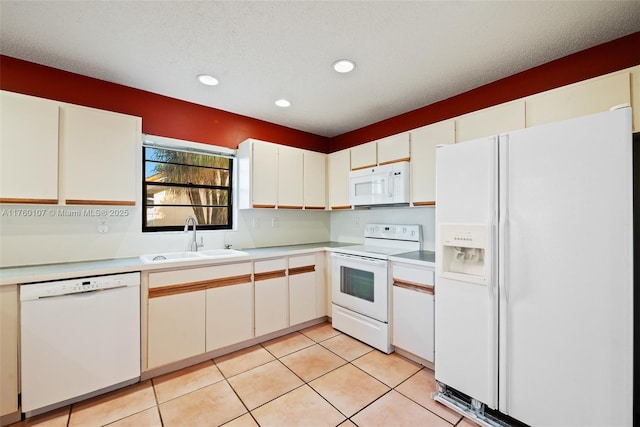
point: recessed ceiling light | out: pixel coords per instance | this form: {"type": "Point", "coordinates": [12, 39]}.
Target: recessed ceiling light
{"type": "Point", "coordinates": [344, 65]}
{"type": "Point", "coordinates": [208, 80]}
{"type": "Point", "coordinates": [283, 103]}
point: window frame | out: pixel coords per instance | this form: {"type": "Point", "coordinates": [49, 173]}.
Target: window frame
{"type": "Point", "coordinates": [193, 148]}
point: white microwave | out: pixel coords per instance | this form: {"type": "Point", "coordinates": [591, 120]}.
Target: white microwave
{"type": "Point", "coordinates": [380, 185]}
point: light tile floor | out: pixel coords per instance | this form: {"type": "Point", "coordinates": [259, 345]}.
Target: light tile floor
{"type": "Point", "coordinates": [316, 377]}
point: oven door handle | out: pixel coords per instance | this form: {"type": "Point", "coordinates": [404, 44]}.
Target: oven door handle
{"type": "Point", "coordinates": [361, 259]}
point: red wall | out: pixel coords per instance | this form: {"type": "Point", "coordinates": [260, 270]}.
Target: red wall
{"type": "Point", "coordinates": [161, 115]}
{"type": "Point", "coordinates": [171, 117]}
{"type": "Point", "coordinates": [602, 59]}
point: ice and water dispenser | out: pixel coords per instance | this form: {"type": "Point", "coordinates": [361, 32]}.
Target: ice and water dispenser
{"type": "Point", "coordinates": [462, 255]}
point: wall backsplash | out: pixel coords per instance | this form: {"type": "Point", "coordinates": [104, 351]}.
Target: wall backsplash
{"type": "Point", "coordinates": [348, 225]}
{"type": "Point", "coordinates": [42, 235]}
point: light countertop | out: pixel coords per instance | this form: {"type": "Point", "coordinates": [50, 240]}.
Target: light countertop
{"type": "Point", "coordinates": [423, 258]}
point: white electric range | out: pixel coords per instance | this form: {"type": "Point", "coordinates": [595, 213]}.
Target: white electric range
{"type": "Point", "coordinates": [360, 281]}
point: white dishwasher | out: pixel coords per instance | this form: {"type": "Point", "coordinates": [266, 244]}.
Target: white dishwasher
{"type": "Point", "coordinates": [78, 336]}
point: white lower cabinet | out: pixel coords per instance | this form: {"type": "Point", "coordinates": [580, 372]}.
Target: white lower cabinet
{"type": "Point", "coordinates": [271, 296]}
{"type": "Point", "coordinates": [191, 311]}
{"type": "Point", "coordinates": [196, 310]}
{"type": "Point", "coordinates": [176, 327]}
{"type": "Point", "coordinates": [9, 352]}
{"type": "Point", "coordinates": [303, 289]}
{"type": "Point", "coordinates": [229, 307]}
{"type": "Point", "coordinates": [413, 310]}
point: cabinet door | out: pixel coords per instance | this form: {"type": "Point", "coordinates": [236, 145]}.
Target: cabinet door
{"type": "Point", "coordinates": [229, 306]}
{"type": "Point", "coordinates": [176, 327]}
{"type": "Point", "coordinates": [99, 156]}
{"type": "Point", "coordinates": [579, 99]}
{"type": "Point", "coordinates": [635, 97]}
{"type": "Point", "coordinates": [229, 315]}
{"type": "Point", "coordinates": [315, 180]}
{"type": "Point", "coordinates": [339, 165]}
{"type": "Point", "coordinates": [394, 149]}
{"type": "Point", "coordinates": [176, 314]}
{"type": "Point", "coordinates": [28, 149]}
{"type": "Point", "coordinates": [271, 296]}
{"type": "Point", "coordinates": [264, 175]}
{"type": "Point", "coordinates": [424, 141]}
{"type": "Point", "coordinates": [290, 178]}
{"type": "Point", "coordinates": [413, 327]}
{"type": "Point", "coordinates": [303, 292]}
{"type": "Point", "coordinates": [9, 349]}
{"type": "Point", "coordinates": [364, 156]}
{"type": "Point", "coordinates": [413, 313]}
{"type": "Point", "coordinates": [491, 121]}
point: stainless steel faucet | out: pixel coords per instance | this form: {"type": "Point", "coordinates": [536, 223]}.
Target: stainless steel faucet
{"type": "Point", "coordinates": [194, 241]}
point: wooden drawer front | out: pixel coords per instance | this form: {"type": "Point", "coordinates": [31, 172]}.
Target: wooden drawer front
{"type": "Point", "coordinates": [420, 276]}
{"type": "Point", "coordinates": [198, 274]}
{"type": "Point", "coordinates": [302, 261]}
{"type": "Point", "coordinates": [270, 265]}
{"type": "Point", "coordinates": [198, 279]}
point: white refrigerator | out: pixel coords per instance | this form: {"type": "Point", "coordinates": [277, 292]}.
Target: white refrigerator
{"type": "Point", "coordinates": [534, 255]}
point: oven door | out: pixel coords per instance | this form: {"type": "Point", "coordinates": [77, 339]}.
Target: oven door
{"type": "Point", "coordinates": [360, 284]}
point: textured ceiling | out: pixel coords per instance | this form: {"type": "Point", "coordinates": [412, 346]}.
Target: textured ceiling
{"type": "Point", "coordinates": [408, 53]}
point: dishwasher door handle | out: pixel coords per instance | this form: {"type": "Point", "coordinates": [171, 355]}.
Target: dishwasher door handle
{"type": "Point", "coordinates": [83, 293]}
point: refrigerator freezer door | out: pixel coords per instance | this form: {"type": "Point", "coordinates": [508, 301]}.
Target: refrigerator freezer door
{"type": "Point", "coordinates": [466, 312]}
{"type": "Point", "coordinates": [566, 309]}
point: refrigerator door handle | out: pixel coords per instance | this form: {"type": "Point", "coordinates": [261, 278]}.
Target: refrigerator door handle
{"type": "Point", "coordinates": [503, 221]}
{"type": "Point", "coordinates": [492, 271]}
{"type": "Point", "coordinates": [503, 273]}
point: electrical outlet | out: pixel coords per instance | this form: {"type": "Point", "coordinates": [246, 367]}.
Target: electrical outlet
{"type": "Point", "coordinates": [275, 222]}
{"type": "Point", "coordinates": [103, 227]}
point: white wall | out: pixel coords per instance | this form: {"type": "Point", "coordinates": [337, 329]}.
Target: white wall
{"type": "Point", "coordinates": [348, 225]}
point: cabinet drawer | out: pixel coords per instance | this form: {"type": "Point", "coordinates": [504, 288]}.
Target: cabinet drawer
{"type": "Point", "coordinates": [418, 276]}
{"type": "Point", "coordinates": [270, 265]}
{"type": "Point", "coordinates": [302, 261]}
{"type": "Point", "coordinates": [194, 275]}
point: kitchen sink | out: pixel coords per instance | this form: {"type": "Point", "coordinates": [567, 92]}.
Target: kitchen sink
{"type": "Point", "coordinates": [222, 253]}
{"type": "Point", "coordinates": [170, 257]}
{"type": "Point", "coordinates": [165, 257]}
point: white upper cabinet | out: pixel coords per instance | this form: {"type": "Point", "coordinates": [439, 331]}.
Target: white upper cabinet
{"type": "Point", "coordinates": [383, 151]}
{"type": "Point", "coordinates": [99, 156]}
{"type": "Point", "coordinates": [394, 148]}
{"type": "Point", "coordinates": [290, 177]}
{"type": "Point", "coordinates": [587, 97]}
{"type": "Point", "coordinates": [339, 165]}
{"type": "Point", "coordinates": [279, 176]}
{"type": "Point", "coordinates": [91, 153]}
{"type": "Point", "coordinates": [28, 149]}
{"type": "Point", "coordinates": [635, 97]}
{"type": "Point", "coordinates": [364, 155]}
{"type": "Point", "coordinates": [424, 141]}
{"type": "Point", "coordinates": [258, 174]}
{"type": "Point", "coordinates": [315, 180]}
{"type": "Point", "coordinates": [502, 118]}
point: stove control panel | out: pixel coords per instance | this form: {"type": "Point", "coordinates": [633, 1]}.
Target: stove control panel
{"type": "Point", "coordinates": [409, 232]}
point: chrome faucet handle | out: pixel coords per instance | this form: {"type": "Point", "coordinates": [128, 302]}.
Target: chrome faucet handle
{"type": "Point", "coordinates": [227, 245]}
